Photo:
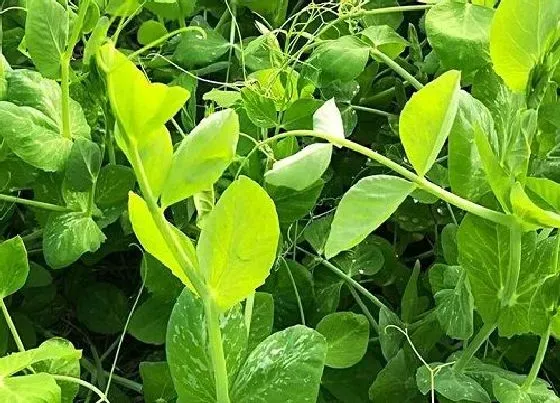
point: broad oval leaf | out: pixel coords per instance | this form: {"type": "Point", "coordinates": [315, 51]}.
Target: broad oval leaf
{"type": "Point", "coordinates": [68, 236]}
{"type": "Point", "coordinates": [202, 157]}
{"type": "Point", "coordinates": [385, 39]}
{"type": "Point", "coordinates": [367, 205]}
{"type": "Point", "coordinates": [520, 36]}
{"type": "Point", "coordinates": [237, 246]}
{"type": "Point", "coordinates": [347, 336]}
{"type": "Point", "coordinates": [33, 388]}
{"type": "Point", "coordinates": [286, 366]}
{"type": "Point", "coordinates": [427, 119]}
{"type": "Point", "coordinates": [451, 384]}
{"type": "Point", "coordinates": [13, 266]}
{"type": "Point", "coordinates": [153, 241]}
{"type": "Point", "coordinates": [187, 348]}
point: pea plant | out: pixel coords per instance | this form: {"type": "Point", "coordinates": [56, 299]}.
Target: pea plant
{"type": "Point", "coordinates": [279, 201]}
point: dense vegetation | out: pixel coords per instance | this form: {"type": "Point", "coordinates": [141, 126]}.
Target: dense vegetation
{"type": "Point", "coordinates": [279, 201]}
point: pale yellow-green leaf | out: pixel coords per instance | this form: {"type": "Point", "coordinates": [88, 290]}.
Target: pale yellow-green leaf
{"type": "Point", "coordinates": [529, 212]}
{"type": "Point", "coordinates": [546, 189]}
{"type": "Point", "coordinates": [237, 246]}
{"type": "Point", "coordinates": [520, 37]}
{"type": "Point", "coordinates": [153, 241]}
{"type": "Point", "coordinates": [427, 119]}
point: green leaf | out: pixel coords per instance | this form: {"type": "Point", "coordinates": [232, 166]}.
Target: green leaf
{"type": "Point", "coordinates": [367, 205]}
{"type": "Point", "coordinates": [287, 366]}
{"type": "Point", "coordinates": [66, 366]}
{"type": "Point", "coordinates": [113, 184]}
{"type": "Point", "coordinates": [395, 382]}
{"type": "Point", "coordinates": [260, 109]}
{"type": "Point", "coordinates": [393, 19]}
{"type": "Point", "coordinates": [520, 36]}
{"type": "Point", "coordinates": [224, 99]}
{"type": "Point", "coordinates": [327, 120]}
{"type": "Point", "coordinates": [237, 246]}
{"type": "Point", "coordinates": [13, 266]}
{"type": "Point", "coordinates": [292, 205]}
{"type": "Point", "coordinates": [142, 109]}
{"type": "Point", "coordinates": [187, 348]}
{"type": "Point", "coordinates": [460, 34]}
{"type": "Point", "coordinates": [262, 52]}
{"type": "Point", "coordinates": [202, 157]}
{"type": "Point", "coordinates": [452, 385]}
{"type": "Point", "coordinates": [341, 59]}
{"type": "Point", "coordinates": [156, 382]}
{"type": "Point", "coordinates": [150, 31]}
{"type": "Point", "coordinates": [427, 119]}
{"type": "Point", "coordinates": [275, 10]}
{"type": "Point", "coordinates": [409, 301]}
{"type": "Point", "coordinates": [390, 339]}
{"type": "Point", "coordinates": [347, 336]}
{"type": "Point", "coordinates": [83, 165]}
{"type": "Point", "coordinates": [159, 280]}
{"type": "Point", "coordinates": [302, 169]}
{"type": "Point", "coordinates": [46, 35]}
{"type": "Point", "coordinates": [455, 303]}
{"type": "Point", "coordinates": [103, 308]}
{"type": "Point", "coordinates": [466, 172]}
{"type": "Point", "coordinates": [68, 236]}
{"type": "Point", "coordinates": [149, 321]}
{"type": "Point", "coordinates": [34, 388]}
{"type": "Point", "coordinates": [262, 319]}
{"type": "Point", "coordinates": [527, 211]}
{"type": "Point", "coordinates": [195, 50]}
{"type": "Point", "coordinates": [153, 241]}
{"type": "Point", "coordinates": [546, 190]}
{"type": "Point", "coordinates": [385, 39]}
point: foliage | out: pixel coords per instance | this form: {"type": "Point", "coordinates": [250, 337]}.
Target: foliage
{"type": "Point", "coordinates": [279, 201]}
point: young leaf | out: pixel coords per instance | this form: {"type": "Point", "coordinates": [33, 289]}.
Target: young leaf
{"type": "Point", "coordinates": [529, 212]}
{"type": "Point", "coordinates": [427, 119]}
{"type": "Point", "coordinates": [152, 240]}
{"type": "Point", "coordinates": [287, 366]}
{"type": "Point", "coordinates": [520, 36]}
{"type": "Point", "coordinates": [46, 35]}
{"type": "Point", "coordinates": [547, 190]}
{"type": "Point", "coordinates": [347, 336]}
{"type": "Point", "coordinates": [13, 266]}
{"type": "Point", "coordinates": [187, 348]}
{"type": "Point", "coordinates": [237, 246]}
{"type": "Point", "coordinates": [367, 205]}
{"type": "Point", "coordinates": [460, 34]}
{"type": "Point", "coordinates": [341, 59]}
{"type": "Point", "coordinates": [385, 39]}
{"type": "Point", "coordinates": [68, 236]}
{"type": "Point", "coordinates": [202, 157]}
{"type": "Point", "coordinates": [83, 165]}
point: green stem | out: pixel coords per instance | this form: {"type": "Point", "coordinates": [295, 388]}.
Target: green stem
{"type": "Point", "coordinates": [85, 384]}
{"type": "Point", "coordinates": [65, 86]}
{"type": "Point", "coordinates": [482, 335]}
{"type": "Point", "coordinates": [398, 69]}
{"type": "Point", "coordinates": [12, 326]}
{"type": "Point", "coordinates": [347, 278]}
{"type": "Point", "coordinates": [296, 292]}
{"type": "Point", "coordinates": [233, 10]}
{"type": "Point", "coordinates": [217, 351]}
{"type": "Point", "coordinates": [127, 383]}
{"type": "Point", "coordinates": [91, 200]}
{"type": "Point", "coordinates": [364, 309]}
{"type": "Point", "coordinates": [514, 268]}
{"type": "Point", "coordinates": [33, 203]}
{"type": "Point", "coordinates": [163, 39]}
{"type": "Point", "coordinates": [422, 182]}
{"type": "Point", "coordinates": [539, 358]}
{"type": "Point", "coordinates": [372, 110]}
{"type": "Point", "coordinates": [249, 305]}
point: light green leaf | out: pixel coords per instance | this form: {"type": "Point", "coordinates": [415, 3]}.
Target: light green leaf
{"type": "Point", "coordinates": [460, 34]}
{"type": "Point", "coordinates": [83, 165]}
{"type": "Point", "coordinates": [328, 120]}
{"type": "Point", "coordinates": [13, 266]}
{"type": "Point", "coordinates": [34, 388]}
{"type": "Point", "coordinates": [285, 367]}
{"type": "Point", "coordinates": [367, 205]}
{"type": "Point", "coordinates": [392, 19]}
{"type": "Point", "coordinates": [302, 169]}
{"type": "Point", "coordinates": [347, 336]}
{"type": "Point", "coordinates": [427, 119]}
{"type": "Point", "coordinates": [150, 31]}
{"type": "Point", "coordinates": [385, 39]}
{"type": "Point", "coordinates": [142, 109]}
{"type": "Point", "coordinates": [187, 348]}
{"type": "Point", "coordinates": [262, 52]}
{"type": "Point", "coordinates": [46, 35]}
{"type": "Point", "coordinates": [546, 189]}
{"type": "Point", "coordinates": [224, 99]}
{"type": "Point", "coordinates": [452, 385]}
{"type": "Point", "coordinates": [195, 50]}
{"type": "Point", "coordinates": [520, 37]}
{"type": "Point", "coordinates": [153, 241]}
{"type": "Point", "coordinates": [527, 211]}
{"type": "Point", "coordinates": [202, 157]}
{"type": "Point", "coordinates": [68, 236]}
{"type": "Point", "coordinates": [466, 173]}
{"type": "Point", "coordinates": [237, 246]}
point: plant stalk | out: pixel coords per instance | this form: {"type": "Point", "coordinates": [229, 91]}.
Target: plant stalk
{"type": "Point", "coordinates": [65, 86]}
{"type": "Point", "coordinates": [482, 335]}
{"type": "Point", "coordinates": [514, 266]}
{"type": "Point", "coordinates": [217, 351]}
{"type": "Point", "coordinates": [398, 69]}
{"type": "Point", "coordinates": [423, 183]}
{"type": "Point", "coordinates": [12, 326]}
{"type": "Point", "coordinates": [539, 358]}
{"type": "Point", "coordinates": [33, 203]}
